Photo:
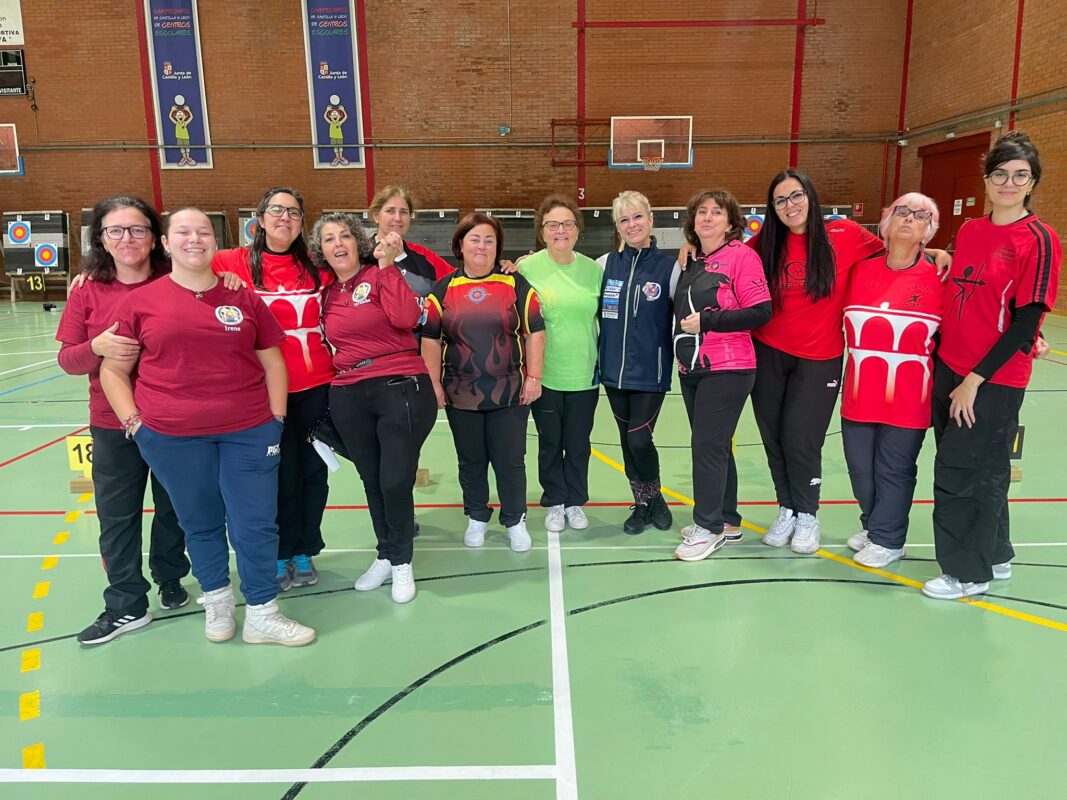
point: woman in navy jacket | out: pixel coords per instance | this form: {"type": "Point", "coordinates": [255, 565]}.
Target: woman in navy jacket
{"type": "Point", "coordinates": [636, 319]}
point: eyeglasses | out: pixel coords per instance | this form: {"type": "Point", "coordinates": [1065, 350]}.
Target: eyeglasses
{"type": "Point", "coordinates": [796, 198]}
{"type": "Point", "coordinates": [921, 214]}
{"type": "Point", "coordinates": [567, 225]}
{"type": "Point", "coordinates": [291, 211]}
{"type": "Point", "coordinates": [116, 232]}
{"type": "Point", "coordinates": [999, 177]}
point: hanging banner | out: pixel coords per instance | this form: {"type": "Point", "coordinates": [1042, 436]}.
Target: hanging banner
{"type": "Point", "coordinates": [178, 83]}
{"type": "Point", "coordinates": [11, 33]}
{"type": "Point", "coordinates": [333, 83]}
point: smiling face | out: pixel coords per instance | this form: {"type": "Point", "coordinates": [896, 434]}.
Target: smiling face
{"type": "Point", "coordinates": [190, 238]}
{"type": "Point", "coordinates": [281, 231]}
{"type": "Point", "coordinates": [635, 227]}
{"type": "Point", "coordinates": [479, 250]}
{"type": "Point", "coordinates": [1008, 196]}
{"type": "Point", "coordinates": [340, 249]}
{"type": "Point", "coordinates": [394, 217]}
{"type": "Point", "coordinates": [794, 212]}
{"type": "Point", "coordinates": [560, 241]}
{"type": "Point", "coordinates": [711, 223]}
{"type": "Point", "coordinates": [128, 252]}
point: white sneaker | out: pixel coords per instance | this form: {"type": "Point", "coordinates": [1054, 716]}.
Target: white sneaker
{"type": "Point", "coordinates": [403, 583]}
{"type": "Point", "coordinates": [380, 572]}
{"type": "Point", "coordinates": [519, 536]}
{"type": "Point", "coordinates": [475, 535]}
{"type": "Point", "coordinates": [555, 520]}
{"type": "Point", "coordinates": [699, 543]}
{"type": "Point", "coordinates": [945, 587]}
{"type": "Point", "coordinates": [805, 535]}
{"type": "Point", "coordinates": [219, 625]}
{"type": "Point", "coordinates": [781, 530]}
{"type": "Point", "coordinates": [265, 624]}
{"type": "Point", "coordinates": [733, 533]}
{"type": "Point", "coordinates": [874, 555]}
{"type": "Point", "coordinates": [576, 518]}
{"type": "Point", "coordinates": [1002, 572]}
{"type": "Point", "coordinates": [858, 541]}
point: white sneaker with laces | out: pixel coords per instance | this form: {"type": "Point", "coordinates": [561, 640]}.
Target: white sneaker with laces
{"type": "Point", "coordinates": [475, 535]}
{"type": "Point", "coordinates": [699, 543]}
{"type": "Point", "coordinates": [555, 520]}
{"type": "Point", "coordinates": [379, 572]}
{"type": "Point", "coordinates": [858, 541]}
{"type": "Point", "coordinates": [576, 518]}
{"type": "Point", "coordinates": [1002, 572]}
{"type": "Point", "coordinates": [874, 555]}
{"type": "Point", "coordinates": [946, 587]}
{"type": "Point", "coordinates": [781, 530]}
{"type": "Point", "coordinates": [519, 536]}
{"type": "Point", "coordinates": [403, 583]}
{"type": "Point", "coordinates": [219, 606]}
{"type": "Point", "coordinates": [805, 535]}
{"type": "Point", "coordinates": [265, 624]}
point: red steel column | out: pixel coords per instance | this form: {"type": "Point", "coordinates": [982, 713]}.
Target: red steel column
{"type": "Point", "coordinates": [149, 106]}
{"type": "Point", "coordinates": [364, 94]}
{"type": "Point", "coordinates": [798, 82]}
{"type": "Point", "coordinates": [1015, 64]}
{"type": "Point", "coordinates": [903, 99]}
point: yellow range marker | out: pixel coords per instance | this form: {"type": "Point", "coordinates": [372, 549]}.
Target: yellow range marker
{"type": "Point", "coordinates": [41, 589]}
{"type": "Point", "coordinates": [983, 604]}
{"type": "Point", "coordinates": [61, 537]}
{"type": "Point", "coordinates": [33, 757]}
{"type": "Point", "coordinates": [72, 516]}
{"type": "Point", "coordinates": [29, 705]}
{"type": "Point", "coordinates": [31, 660]}
{"type": "Point", "coordinates": [49, 562]}
{"type": "Point", "coordinates": [35, 621]}
{"type": "Point", "coordinates": [86, 497]}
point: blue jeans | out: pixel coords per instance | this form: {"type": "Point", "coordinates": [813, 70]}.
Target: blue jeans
{"type": "Point", "coordinates": [219, 481]}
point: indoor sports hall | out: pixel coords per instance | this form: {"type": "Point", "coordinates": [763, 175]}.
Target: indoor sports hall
{"type": "Point", "coordinates": [596, 665]}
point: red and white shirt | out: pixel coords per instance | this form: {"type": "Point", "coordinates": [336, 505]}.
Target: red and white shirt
{"type": "Point", "coordinates": [996, 269]}
{"type": "Point", "coordinates": [295, 302]}
{"type": "Point", "coordinates": [890, 320]}
{"type": "Point", "coordinates": [198, 373]}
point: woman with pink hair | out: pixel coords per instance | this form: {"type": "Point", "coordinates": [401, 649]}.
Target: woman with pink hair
{"type": "Point", "coordinates": [892, 310]}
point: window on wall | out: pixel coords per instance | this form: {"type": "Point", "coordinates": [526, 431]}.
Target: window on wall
{"type": "Point", "coordinates": [12, 72]}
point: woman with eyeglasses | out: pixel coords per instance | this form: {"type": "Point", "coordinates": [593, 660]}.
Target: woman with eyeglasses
{"type": "Point", "coordinates": [277, 268]}
{"type": "Point", "coordinates": [1003, 280]}
{"type": "Point", "coordinates": [892, 311]}
{"type": "Point", "coordinates": [125, 254]}
{"type": "Point", "coordinates": [568, 286]}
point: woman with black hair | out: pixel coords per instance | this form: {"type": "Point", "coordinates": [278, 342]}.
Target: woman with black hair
{"type": "Point", "coordinates": [799, 351]}
{"type": "Point", "coordinates": [1002, 282]}
{"type": "Point", "coordinates": [125, 253]}
{"type": "Point", "coordinates": [278, 268]}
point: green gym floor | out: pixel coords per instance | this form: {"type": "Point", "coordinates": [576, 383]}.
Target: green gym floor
{"type": "Point", "coordinates": [594, 666]}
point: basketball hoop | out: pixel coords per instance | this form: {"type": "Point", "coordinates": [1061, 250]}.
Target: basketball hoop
{"type": "Point", "coordinates": [652, 163]}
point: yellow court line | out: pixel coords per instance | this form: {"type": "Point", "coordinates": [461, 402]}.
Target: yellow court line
{"type": "Point", "coordinates": [31, 660]}
{"type": "Point", "coordinates": [983, 604]}
{"type": "Point", "coordinates": [35, 621]}
{"type": "Point", "coordinates": [86, 497]}
{"type": "Point", "coordinates": [41, 589]}
{"type": "Point", "coordinates": [1057, 352]}
{"type": "Point", "coordinates": [29, 705]}
{"type": "Point", "coordinates": [61, 537]}
{"type": "Point", "coordinates": [48, 562]}
{"type": "Point", "coordinates": [72, 516]}
{"type": "Point", "coordinates": [33, 756]}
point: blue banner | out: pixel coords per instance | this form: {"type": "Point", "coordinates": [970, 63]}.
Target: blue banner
{"type": "Point", "coordinates": [178, 83]}
{"type": "Point", "coordinates": [333, 83]}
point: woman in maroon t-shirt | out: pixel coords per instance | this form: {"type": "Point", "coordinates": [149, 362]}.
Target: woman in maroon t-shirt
{"type": "Point", "coordinates": [207, 415]}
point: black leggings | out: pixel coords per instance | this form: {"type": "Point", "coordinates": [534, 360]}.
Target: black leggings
{"type": "Point", "coordinates": [564, 422]}
{"type": "Point", "coordinates": [383, 423]}
{"type": "Point", "coordinates": [496, 437]}
{"type": "Point", "coordinates": [793, 401]}
{"type": "Point", "coordinates": [302, 477]}
{"type": "Point", "coordinates": [636, 413]}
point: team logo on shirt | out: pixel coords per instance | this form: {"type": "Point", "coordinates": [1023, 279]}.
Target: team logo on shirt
{"type": "Point", "coordinates": [652, 290]}
{"type": "Point", "coordinates": [361, 294]}
{"type": "Point", "coordinates": [477, 294]}
{"type": "Point", "coordinates": [229, 315]}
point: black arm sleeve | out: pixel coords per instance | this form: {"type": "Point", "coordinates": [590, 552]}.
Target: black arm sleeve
{"type": "Point", "coordinates": [1019, 337]}
{"type": "Point", "coordinates": [741, 319]}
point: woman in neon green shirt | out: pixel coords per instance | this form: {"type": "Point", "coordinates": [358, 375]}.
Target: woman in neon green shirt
{"type": "Point", "coordinates": [568, 285]}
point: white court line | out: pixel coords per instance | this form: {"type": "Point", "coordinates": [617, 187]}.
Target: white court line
{"type": "Point", "coordinates": [324, 775]}
{"type": "Point", "coordinates": [32, 336]}
{"type": "Point", "coordinates": [27, 366]}
{"type": "Point", "coordinates": [32, 353]}
{"type": "Point", "coordinates": [49, 425]}
{"type": "Point", "coordinates": [566, 763]}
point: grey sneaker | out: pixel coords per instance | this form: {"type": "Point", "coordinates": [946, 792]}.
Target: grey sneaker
{"type": "Point", "coordinates": [285, 578]}
{"type": "Point", "coordinates": [302, 572]}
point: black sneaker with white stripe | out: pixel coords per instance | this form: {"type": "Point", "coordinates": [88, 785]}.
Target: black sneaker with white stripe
{"type": "Point", "coordinates": [111, 624]}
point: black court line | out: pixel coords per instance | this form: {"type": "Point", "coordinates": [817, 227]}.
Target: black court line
{"type": "Point", "coordinates": [1013, 563]}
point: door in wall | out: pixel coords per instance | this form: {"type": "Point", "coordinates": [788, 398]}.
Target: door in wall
{"type": "Point", "coordinates": [952, 176]}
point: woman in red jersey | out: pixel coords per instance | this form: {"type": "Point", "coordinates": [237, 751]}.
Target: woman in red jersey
{"type": "Point", "coordinates": [207, 414]}
{"type": "Point", "coordinates": [892, 311]}
{"type": "Point", "coordinates": [125, 253]}
{"type": "Point", "coordinates": [1003, 280]}
{"type": "Point", "coordinates": [277, 267]}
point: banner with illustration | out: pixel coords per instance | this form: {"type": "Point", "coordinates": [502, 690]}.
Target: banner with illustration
{"type": "Point", "coordinates": [333, 83]}
{"type": "Point", "coordinates": [178, 84]}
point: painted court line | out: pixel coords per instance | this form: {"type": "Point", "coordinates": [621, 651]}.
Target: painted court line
{"type": "Point", "coordinates": [566, 763]}
{"type": "Point", "coordinates": [537, 772]}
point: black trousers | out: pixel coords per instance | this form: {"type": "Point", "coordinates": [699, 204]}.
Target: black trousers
{"type": "Point", "coordinates": [302, 477]}
{"type": "Point", "coordinates": [882, 465]}
{"type": "Point", "coordinates": [793, 401]}
{"type": "Point", "coordinates": [120, 476]}
{"type": "Point", "coordinates": [730, 513]}
{"type": "Point", "coordinates": [564, 423]}
{"type": "Point", "coordinates": [713, 403]}
{"type": "Point", "coordinates": [636, 413]}
{"type": "Point", "coordinates": [972, 472]}
{"type": "Point", "coordinates": [383, 423]}
{"type": "Point", "coordinates": [496, 437]}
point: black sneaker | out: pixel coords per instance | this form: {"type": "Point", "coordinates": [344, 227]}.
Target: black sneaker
{"type": "Point", "coordinates": [172, 594]}
{"type": "Point", "coordinates": [640, 516]}
{"type": "Point", "coordinates": [661, 513]}
{"type": "Point", "coordinates": [111, 624]}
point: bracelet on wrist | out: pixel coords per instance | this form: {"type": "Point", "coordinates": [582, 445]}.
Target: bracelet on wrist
{"type": "Point", "coordinates": [533, 377]}
{"type": "Point", "coordinates": [130, 422]}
